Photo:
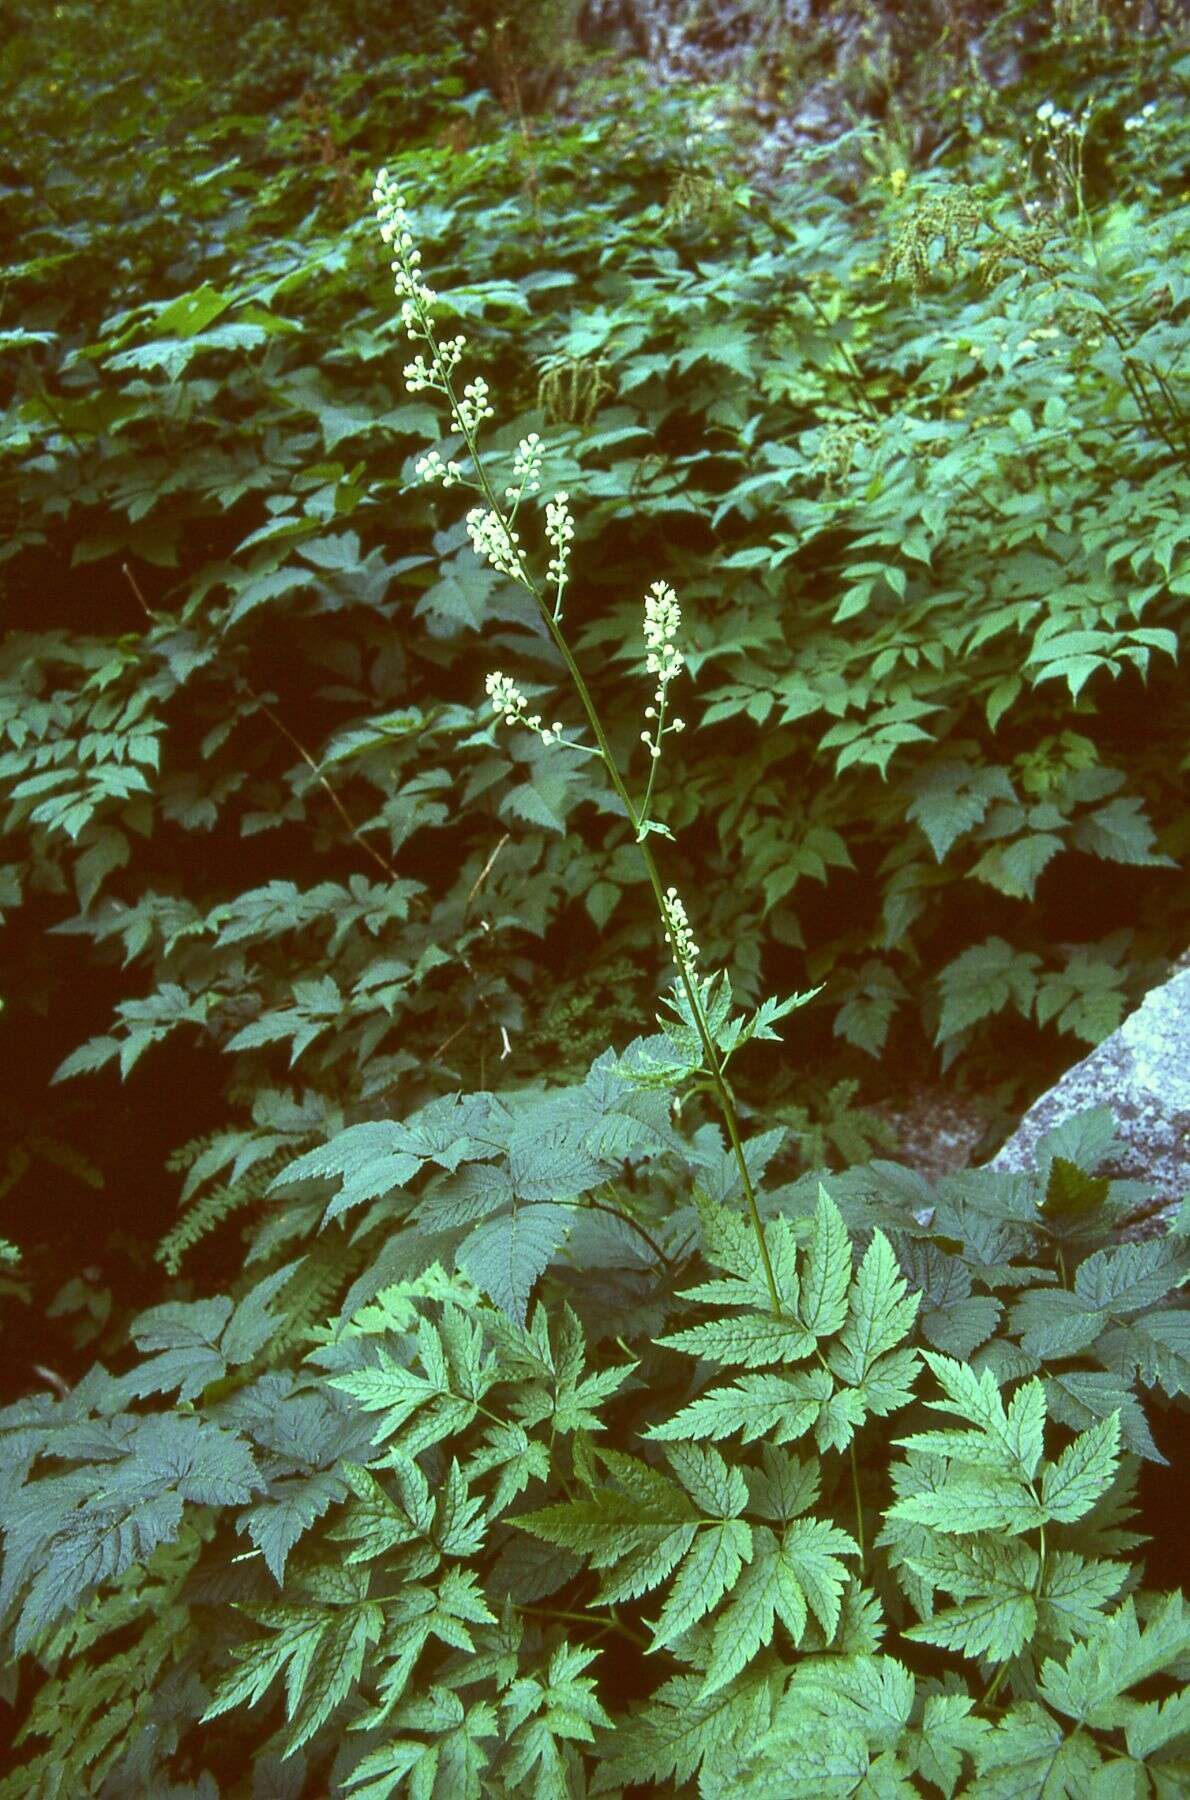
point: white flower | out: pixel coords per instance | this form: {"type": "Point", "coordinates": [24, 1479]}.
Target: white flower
{"type": "Point", "coordinates": [559, 530]}
{"type": "Point", "coordinates": [678, 933]}
{"type": "Point", "coordinates": [431, 467]}
{"type": "Point", "coordinates": [474, 407]}
{"type": "Point", "coordinates": [496, 543]}
{"type": "Point", "coordinates": [508, 701]}
{"type": "Point", "coordinates": [526, 467]}
{"type": "Point", "coordinates": [663, 615]}
{"type": "Point", "coordinates": [418, 375]}
{"type": "Point", "coordinates": [506, 698]}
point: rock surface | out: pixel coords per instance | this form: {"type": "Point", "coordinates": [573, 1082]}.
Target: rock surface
{"type": "Point", "coordinates": [1142, 1074]}
{"type": "Point", "coordinates": [803, 72]}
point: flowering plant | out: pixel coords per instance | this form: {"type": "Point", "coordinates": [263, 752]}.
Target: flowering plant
{"type": "Point", "coordinates": [492, 528]}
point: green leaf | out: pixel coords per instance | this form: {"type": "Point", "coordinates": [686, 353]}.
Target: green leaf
{"type": "Point", "coordinates": [871, 1694]}
{"type": "Point", "coordinates": [1073, 1593]}
{"type": "Point", "coordinates": [505, 1256]}
{"type": "Point", "coordinates": [709, 1569]}
{"type": "Point", "coordinates": [776, 1407]}
{"type": "Point", "coordinates": [750, 1340]}
{"type": "Point", "coordinates": [1119, 832]}
{"type": "Point", "coordinates": [880, 1314]}
{"type": "Point", "coordinates": [1029, 1755]}
{"type": "Point", "coordinates": [789, 1574]}
{"type": "Point", "coordinates": [981, 982]}
{"type": "Point", "coordinates": [947, 1734]}
{"type": "Point", "coordinates": [191, 313]}
{"type": "Point", "coordinates": [1131, 1276]}
{"type": "Point", "coordinates": [826, 1271]}
{"type": "Point", "coordinates": [678, 1730]}
{"type": "Point", "coordinates": [973, 1500]}
{"type": "Point", "coordinates": [1084, 1471]}
{"type": "Point", "coordinates": [541, 1711]}
{"type": "Point", "coordinates": [951, 799]}
{"type": "Point", "coordinates": [295, 1504]}
{"type": "Point", "coordinates": [1120, 1654]}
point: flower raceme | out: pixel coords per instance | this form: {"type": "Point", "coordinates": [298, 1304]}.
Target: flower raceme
{"type": "Point", "coordinates": [490, 527]}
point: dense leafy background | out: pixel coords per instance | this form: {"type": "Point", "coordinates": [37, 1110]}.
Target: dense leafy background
{"type": "Point", "coordinates": [908, 434]}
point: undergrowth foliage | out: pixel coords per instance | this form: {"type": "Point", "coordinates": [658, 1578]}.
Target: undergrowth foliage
{"type": "Point", "coordinates": [584, 1435]}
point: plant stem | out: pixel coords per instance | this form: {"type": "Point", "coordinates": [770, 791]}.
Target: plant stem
{"type": "Point", "coordinates": [576, 1618]}
{"type": "Point", "coordinates": [859, 1510]}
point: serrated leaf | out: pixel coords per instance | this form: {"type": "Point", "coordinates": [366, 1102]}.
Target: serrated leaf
{"type": "Point", "coordinates": [777, 1407]}
{"type": "Point", "coordinates": [1028, 1755]}
{"type": "Point", "coordinates": [750, 1340]}
{"type": "Point", "coordinates": [948, 1733]}
{"type": "Point", "coordinates": [1131, 1276]}
{"type": "Point", "coordinates": [1120, 1654]}
{"type": "Point", "coordinates": [973, 1500]}
{"type": "Point", "coordinates": [997, 1626]}
{"type": "Point", "coordinates": [506, 1255]}
{"type": "Point", "coordinates": [1072, 1197]}
{"type": "Point", "coordinates": [1073, 1593]}
{"type": "Point", "coordinates": [872, 1694]}
{"type": "Point", "coordinates": [677, 1730]}
{"type": "Point", "coordinates": [826, 1270]}
{"type": "Point", "coordinates": [294, 1505]}
{"type": "Point", "coordinates": [880, 1313]}
{"type": "Point", "coordinates": [1084, 1471]}
{"type": "Point", "coordinates": [1081, 1396]}
{"type": "Point", "coordinates": [710, 1567]}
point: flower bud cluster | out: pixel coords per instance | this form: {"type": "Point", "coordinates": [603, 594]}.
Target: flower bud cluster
{"type": "Point", "coordinates": [416, 299]}
{"type": "Point", "coordinates": [395, 229]}
{"type": "Point", "coordinates": [1140, 121]}
{"type": "Point", "coordinates": [1052, 119]}
{"type": "Point", "coordinates": [559, 530]}
{"type": "Point", "coordinates": [1062, 133]}
{"type": "Point", "coordinates": [1061, 137]}
{"type": "Point", "coordinates": [663, 615]}
{"type": "Point", "coordinates": [431, 467]}
{"type": "Point", "coordinates": [496, 543]}
{"type": "Point", "coordinates": [508, 701]}
{"type": "Point", "coordinates": [444, 357]}
{"type": "Point", "coordinates": [526, 468]}
{"type": "Point", "coordinates": [418, 375]}
{"type": "Point", "coordinates": [475, 406]}
{"type": "Point", "coordinates": [678, 933]}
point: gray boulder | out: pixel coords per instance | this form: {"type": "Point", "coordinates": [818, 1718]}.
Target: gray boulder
{"type": "Point", "coordinates": [1141, 1073]}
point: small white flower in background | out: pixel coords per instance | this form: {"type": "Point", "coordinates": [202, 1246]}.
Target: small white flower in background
{"type": "Point", "coordinates": [508, 701]}
{"type": "Point", "coordinates": [559, 530]}
{"type": "Point", "coordinates": [679, 934]}
{"type": "Point", "coordinates": [1139, 120]}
